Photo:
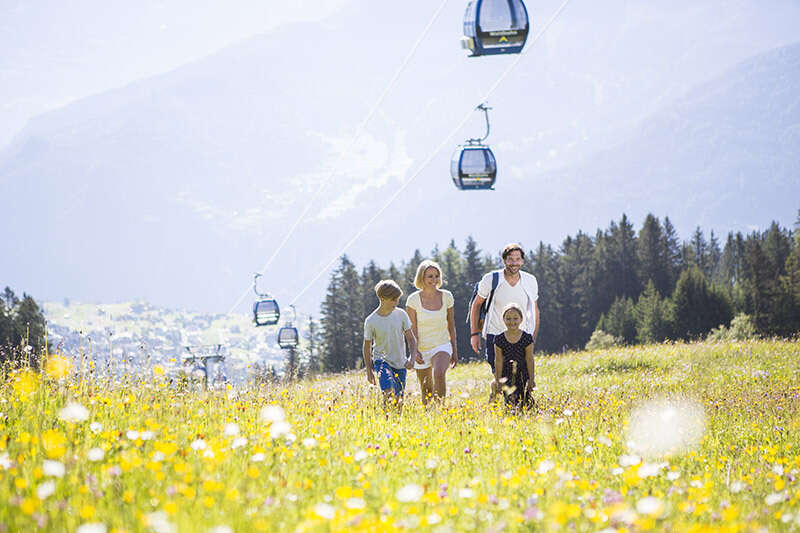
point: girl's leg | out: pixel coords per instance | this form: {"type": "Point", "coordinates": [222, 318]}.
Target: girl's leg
{"type": "Point", "coordinates": [440, 363]}
{"type": "Point", "coordinates": [425, 377]}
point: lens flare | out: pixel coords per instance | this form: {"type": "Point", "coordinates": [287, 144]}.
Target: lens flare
{"type": "Point", "coordinates": [664, 427]}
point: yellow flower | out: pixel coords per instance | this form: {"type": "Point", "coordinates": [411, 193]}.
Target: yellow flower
{"type": "Point", "coordinates": [158, 370]}
{"type": "Point", "coordinates": [171, 508]}
{"type": "Point", "coordinates": [28, 506]}
{"type": "Point", "coordinates": [87, 512]}
{"type": "Point", "coordinates": [25, 384]}
{"type": "Point", "coordinates": [54, 443]}
{"type": "Point", "coordinates": [208, 502]}
{"type": "Point", "coordinates": [58, 367]}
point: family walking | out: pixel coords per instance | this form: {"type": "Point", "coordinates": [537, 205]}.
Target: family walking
{"type": "Point", "coordinates": [504, 324]}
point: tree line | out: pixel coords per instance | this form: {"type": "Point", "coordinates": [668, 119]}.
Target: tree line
{"type": "Point", "coordinates": [22, 329]}
{"type": "Point", "coordinates": [639, 286]}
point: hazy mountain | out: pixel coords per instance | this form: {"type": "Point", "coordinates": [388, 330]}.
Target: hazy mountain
{"type": "Point", "coordinates": [176, 188]}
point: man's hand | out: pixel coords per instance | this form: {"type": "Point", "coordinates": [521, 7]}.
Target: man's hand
{"type": "Point", "coordinates": [370, 376]}
{"type": "Point", "coordinates": [409, 363]}
{"type": "Point", "coordinates": [475, 341]}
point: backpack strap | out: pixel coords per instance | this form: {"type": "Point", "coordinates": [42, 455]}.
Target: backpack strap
{"type": "Point", "coordinates": [495, 282]}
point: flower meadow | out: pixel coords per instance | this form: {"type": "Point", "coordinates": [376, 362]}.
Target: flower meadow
{"type": "Point", "coordinates": [674, 437]}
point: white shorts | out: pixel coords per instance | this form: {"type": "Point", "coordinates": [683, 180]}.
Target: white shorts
{"type": "Point", "coordinates": [428, 356]}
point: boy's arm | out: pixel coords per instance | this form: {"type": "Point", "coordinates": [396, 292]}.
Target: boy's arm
{"type": "Point", "coordinates": [529, 363]}
{"type": "Point", "coordinates": [368, 361]}
{"type": "Point", "coordinates": [412, 347]}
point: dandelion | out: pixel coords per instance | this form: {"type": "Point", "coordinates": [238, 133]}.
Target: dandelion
{"type": "Point", "coordinates": [53, 468]}
{"type": "Point", "coordinates": [45, 490]}
{"type": "Point", "coordinates": [73, 412]}
{"type": "Point", "coordinates": [92, 527]}
{"type": "Point", "coordinates": [273, 414]}
{"type": "Point", "coordinates": [324, 511]}
{"type": "Point", "coordinates": [25, 384]}
{"type": "Point", "coordinates": [54, 443]}
{"type": "Point", "coordinates": [410, 493]}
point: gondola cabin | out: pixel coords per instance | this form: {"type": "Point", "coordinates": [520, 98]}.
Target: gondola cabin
{"type": "Point", "coordinates": [495, 27]}
{"type": "Point", "coordinates": [266, 312]}
{"type": "Point", "coordinates": [473, 167]}
{"type": "Point", "coordinates": [288, 337]}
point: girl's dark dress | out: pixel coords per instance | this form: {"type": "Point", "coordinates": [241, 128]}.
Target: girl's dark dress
{"type": "Point", "coordinates": [515, 370]}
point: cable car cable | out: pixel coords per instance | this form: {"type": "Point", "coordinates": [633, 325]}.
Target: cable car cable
{"type": "Point", "coordinates": [434, 153]}
{"type": "Point", "coordinates": [359, 131]}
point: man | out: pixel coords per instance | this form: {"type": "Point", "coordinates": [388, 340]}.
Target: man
{"type": "Point", "coordinates": [514, 285]}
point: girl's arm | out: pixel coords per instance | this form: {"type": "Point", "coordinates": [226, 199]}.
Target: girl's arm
{"type": "Point", "coordinates": [451, 327]}
{"type": "Point", "coordinates": [498, 363]}
{"type": "Point", "coordinates": [529, 363]}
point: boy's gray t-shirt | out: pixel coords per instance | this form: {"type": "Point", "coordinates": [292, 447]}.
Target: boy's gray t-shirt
{"type": "Point", "coordinates": [386, 334]}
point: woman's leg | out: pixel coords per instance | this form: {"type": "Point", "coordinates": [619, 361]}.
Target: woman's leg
{"type": "Point", "coordinates": [425, 377]}
{"type": "Point", "coordinates": [440, 363]}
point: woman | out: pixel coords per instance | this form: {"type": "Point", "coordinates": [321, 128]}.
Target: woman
{"type": "Point", "coordinates": [431, 312]}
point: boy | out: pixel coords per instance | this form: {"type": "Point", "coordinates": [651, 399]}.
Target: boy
{"type": "Point", "coordinates": [384, 329]}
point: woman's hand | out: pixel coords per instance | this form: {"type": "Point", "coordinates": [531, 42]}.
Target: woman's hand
{"type": "Point", "coordinates": [418, 358]}
{"type": "Point", "coordinates": [453, 359]}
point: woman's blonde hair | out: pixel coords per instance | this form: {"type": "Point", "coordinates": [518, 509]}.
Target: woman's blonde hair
{"type": "Point", "coordinates": [422, 268]}
{"type": "Point", "coordinates": [516, 307]}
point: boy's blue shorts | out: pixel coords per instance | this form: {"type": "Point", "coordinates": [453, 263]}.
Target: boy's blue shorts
{"type": "Point", "coordinates": [389, 377]}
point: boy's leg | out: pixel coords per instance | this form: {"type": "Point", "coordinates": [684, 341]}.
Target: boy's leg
{"type": "Point", "coordinates": [399, 375]}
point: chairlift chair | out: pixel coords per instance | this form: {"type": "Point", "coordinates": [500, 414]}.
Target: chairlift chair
{"type": "Point", "coordinates": [494, 27]}
{"type": "Point", "coordinates": [266, 311]}
{"type": "Point", "coordinates": [288, 337]}
{"type": "Point", "coordinates": [473, 165]}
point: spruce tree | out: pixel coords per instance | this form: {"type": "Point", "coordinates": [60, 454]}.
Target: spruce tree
{"type": "Point", "coordinates": [697, 307]}
{"type": "Point", "coordinates": [652, 254]}
{"type": "Point", "coordinates": [620, 320]}
{"type": "Point", "coordinates": [652, 316]}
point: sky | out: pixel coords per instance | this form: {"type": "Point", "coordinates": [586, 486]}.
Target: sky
{"type": "Point", "coordinates": [253, 127]}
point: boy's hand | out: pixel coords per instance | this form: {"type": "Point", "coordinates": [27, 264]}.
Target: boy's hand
{"type": "Point", "coordinates": [370, 376]}
{"type": "Point", "coordinates": [409, 364]}
{"type": "Point", "coordinates": [419, 358]}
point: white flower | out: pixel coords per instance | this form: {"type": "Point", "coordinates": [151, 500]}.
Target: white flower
{"type": "Point", "coordinates": [777, 470]}
{"type": "Point", "coordinates": [199, 444]}
{"type": "Point", "coordinates": [157, 457]}
{"type": "Point", "coordinates": [238, 442]}
{"type": "Point", "coordinates": [410, 493]}
{"type": "Point", "coordinates": [5, 461]}
{"type": "Point", "coordinates": [466, 493]}
{"type": "Point", "coordinates": [279, 429]}
{"type": "Point", "coordinates": [132, 434]}
{"type": "Point", "coordinates": [737, 486]}
{"type": "Point", "coordinates": [160, 523]}
{"type": "Point", "coordinates": [92, 527]}
{"type": "Point", "coordinates": [53, 468]}
{"type": "Point", "coordinates": [324, 511]}
{"type": "Point", "coordinates": [673, 475]}
{"type": "Point", "coordinates": [617, 471]}
{"type": "Point", "coordinates": [650, 506]}
{"type": "Point", "coordinates": [258, 458]}
{"type": "Point", "coordinates": [74, 412]}
{"type": "Point", "coordinates": [96, 427]}
{"type": "Point", "coordinates": [588, 449]}
{"type": "Point", "coordinates": [360, 455]}
{"type": "Point", "coordinates": [545, 466]}
{"type": "Point", "coordinates": [208, 454]}
{"type": "Point", "coordinates": [604, 440]}
{"type": "Point", "coordinates": [146, 435]}
{"type": "Point", "coordinates": [629, 460]}
{"type": "Point", "coordinates": [45, 489]}
{"type": "Point", "coordinates": [95, 454]}
{"type": "Point", "coordinates": [272, 414]}
{"type": "Point", "coordinates": [567, 412]}
{"type": "Point", "coordinates": [355, 504]}
{"type": "Point", "coordinates": [775, 497]}
{"type": "Point", "coordinates": [231, 429]}
{"type": "Point", "coordinates": [309, 442]}
{"type": "Point", "coordinates": [434, 518]}
{"type": "Point", "coordinates": [431, 463]}
{"type": "Point", "coordinates": [221, 529]}
{"type": "Point", "coordinates": [650, 469]}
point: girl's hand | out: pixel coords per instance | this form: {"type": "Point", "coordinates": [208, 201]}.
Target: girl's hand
{"type": "Point", "coordinates": [530, 386]}
{"type": "Point", "coordinates": [370, 376]}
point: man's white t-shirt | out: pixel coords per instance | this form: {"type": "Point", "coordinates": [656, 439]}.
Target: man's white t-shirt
{"type": "Point", "coordinates": [386, 334]}
{"type": "Point", "coordinates": [524, 293]}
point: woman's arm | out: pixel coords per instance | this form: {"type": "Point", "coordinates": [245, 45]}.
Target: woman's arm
{"type": "Point", "coordinates": [529, 363]}
{"type": "Point", "coordinates": [451, 327]}
{"type": "Point", "coordinates": [412, 315]}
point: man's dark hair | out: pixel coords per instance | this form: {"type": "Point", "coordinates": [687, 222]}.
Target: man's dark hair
{"type": "Point", "coordinates": [510, 248]}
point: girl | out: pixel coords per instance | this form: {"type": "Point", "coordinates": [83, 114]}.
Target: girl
{"type": "Point", "coordinates": [513, 360]}
{"type": "Point", "coordinates": [431, 312]}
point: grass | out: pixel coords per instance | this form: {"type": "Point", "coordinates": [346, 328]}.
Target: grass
{"type": "Point", "coordinates": [183, 460]}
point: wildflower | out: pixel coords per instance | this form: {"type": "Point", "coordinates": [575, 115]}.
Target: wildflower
{"type": "Point", "coordinates": [221, 529]}
{"type": "Point", "coordinates": [53, 468]}
{"type": "Point", "coordinates": [324, 511]}
{"type": "Point", "coordinates": [650, 506]}
{"type": "Point", "coordinates": [279, 429]}
{"type": "Point", "coordinates": [73, 412]}
{"type": "Point", "coordinates": [355, 504]}
{"type": "Point", "coordinates": [466, 493]}
{"type": "Point", "coordinates": [45, 490]}
{"type": "Point", "coordinates": [58, 367]}
{"type": "Point", "coordinates": [95, 454]}
{"type": "Point", "coordinates": [258, 457]}
{"type": "Point", "coordinates": [309, 442]}
{"type": "Point", "coordinates": [159, 522]}
{"type": "Point", "coordinates": [650, 469]}
{"type": "Point", "coordinates": [25, 383]}
{"type": "Point", "coordinates": [410, 493]}
{"type": "Point", "coordinates": [629, 460]}
{"type": "Point", "coordinates": [673, 475]}
{"type": "Point", "coordinates": [238, 442]}
{"type": "Point", "coordinates": [231, 429]}
{"type": "Point", "coordinates": [545, 466]}
{"type": "Point", "coordinates": [198, 444]}
{"type": "Point", "coordinates": [132, 434]}
{"type": "Point", "coordinates": [54, 443]}
{"type": "Point", "coordinates": [5, 462]}
{"type": "Point", "coordinates": [96, 427]}
{"type": "Point", "coordinates": [775, 497]}
{"type": "Point", "coordinates": [92, 527]}
{"type": "Point", "coordinates": [661, 427]}
{"type": "Point", "coordinates": [360, 455]}
{"type": "Point", "coordinates": [272, 414]}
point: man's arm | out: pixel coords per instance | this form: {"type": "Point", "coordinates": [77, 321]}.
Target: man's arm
{"type": "Point", "coordinates": [475, 340]}
{"type": "Point", "coordinates": [368, 361]}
